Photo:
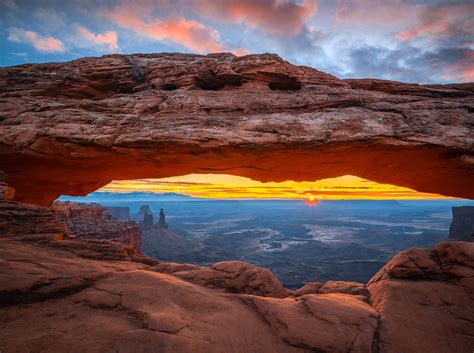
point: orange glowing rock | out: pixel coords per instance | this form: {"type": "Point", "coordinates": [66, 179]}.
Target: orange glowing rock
{"type": "Point", "coordinates": [71, 128]}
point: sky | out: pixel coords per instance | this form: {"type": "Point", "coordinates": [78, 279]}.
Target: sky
{"type": "Point", "coordinates": [234, 187]}
{"type": "Point", "coordinates": [425, 41]}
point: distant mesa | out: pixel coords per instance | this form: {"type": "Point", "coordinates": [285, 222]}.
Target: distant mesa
{"type": "Point", "coordinates": [462, 226]}
{"type": "Point", "coordinates": [106, 196]}
{"type": "Point", "coordinates": [119, 213]}
{"type": "Point", "coordinates": [92, 221]}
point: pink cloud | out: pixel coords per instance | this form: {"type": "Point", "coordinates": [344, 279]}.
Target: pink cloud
{"type": "Point", "coordinates": [240, 51]}
{"type": "Point", "coordinates": [282, 18]}
{"type": "Point", "coordinates": [440, 21]}
{"type": "Point", "coordinates": [278, 17]}
{"type": "Point", "coordinates": [422, 29]}
{"type": "Point", "coordinates": [462, 70]}
{"type": "Point", "coordinates": [409, 19]}
{"type": "Point", "coordinates": [108, 38]}
{"type": "Point", "coordinates": [189, 33]}
{"type": "Point", "coordinates": [46, 44]}
{"type": "Point", "coordinates": [367, 13]}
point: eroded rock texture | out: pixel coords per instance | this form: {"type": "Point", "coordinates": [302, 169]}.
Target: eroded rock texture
{"type": "Point", "coordinates": [353, 288]}
{"type": "Point", "coordinates": [92, 221]}
{"type": "Point", "coordinates": [232, 276]}
{"type": "Point", "coordinates": [70, 128]}
{"type": "Point", "coordinates": [56, 291]}
{"type": "Point", "coordinates": [26, 222]}
{"type": "Point", "coordinates": [425, 300]}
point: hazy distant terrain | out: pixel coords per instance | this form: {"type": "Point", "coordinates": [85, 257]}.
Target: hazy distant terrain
{"type": "Point", "coordinates": [345, 240]}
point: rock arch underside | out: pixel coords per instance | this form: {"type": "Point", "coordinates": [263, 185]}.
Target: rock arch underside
{"type": "Point", "coordinates": [70, 128]}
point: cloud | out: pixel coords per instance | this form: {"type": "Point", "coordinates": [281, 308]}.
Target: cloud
{"type": "Point", "coordinates": [462, 69]}
{"type": "Point", "coordinates": [165, 20]}
{"type": "Point", "coordinates": [9, 4]}
{"type": "Point", "coordinates": [281, 18]}
{"type": "Point", "coordinates": [240, 52]}
{"type": "Point", "coordinates": [400, 63]}
{"type": "Point", "coordinates": [306, 48]}
{"type": "Point", "coordinates": [108, 39]}
{"type": "Point", "coordinates": [50, 18]}
{"type": "Point", "coordinates": [371, 13]}
{"type": "Point", "coordinates": [441, 21]}
{"type": "Point", "coordinates": [408, 19]}
{"type": "Point", "coordinates": [44, 44]}
{"type": "Point", "coordinates": [191, 34]}
{"type": "Point", "coordinates": [409, 63]}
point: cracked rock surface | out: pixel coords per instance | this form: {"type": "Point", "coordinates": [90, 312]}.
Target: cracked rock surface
{"type": "Point", "coordinates": [232, 276]}
{"type": "Point", "coordinates": [425, 299]}
{"type": "Point", "coordinates": [70, 128]}
{"type": "Point", "coordinates": [56, 297]}
{"type": "Point", "coordinates": [124, 306]}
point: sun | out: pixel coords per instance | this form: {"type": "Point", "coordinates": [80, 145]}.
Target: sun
{"type": "Point", "coordinates": [311, 200]}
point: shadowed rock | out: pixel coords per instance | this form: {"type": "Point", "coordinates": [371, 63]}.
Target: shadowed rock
{"type": "Point", "coordinates": [119, 212]}
{"type": "Point", "coordinates": [462, 225]}
{"type": "Point", "coordinates": [162, 221]}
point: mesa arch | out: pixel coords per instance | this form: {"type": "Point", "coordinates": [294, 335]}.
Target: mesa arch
{"type": "Point", "coordinates": [70, 128]}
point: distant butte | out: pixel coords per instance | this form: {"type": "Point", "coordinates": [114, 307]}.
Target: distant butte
{"type": "Point", "coordinates": [70, 128]}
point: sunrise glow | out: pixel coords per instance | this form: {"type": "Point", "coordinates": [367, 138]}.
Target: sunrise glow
{"type": "Point", "coordinates": [225, 186]}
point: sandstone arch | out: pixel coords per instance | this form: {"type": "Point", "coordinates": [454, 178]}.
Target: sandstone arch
{"type": "Point", "coordinates": [70, 128]}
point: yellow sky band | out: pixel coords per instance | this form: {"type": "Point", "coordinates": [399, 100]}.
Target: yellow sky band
{"type": "Point", "coordinates": [223, 186]}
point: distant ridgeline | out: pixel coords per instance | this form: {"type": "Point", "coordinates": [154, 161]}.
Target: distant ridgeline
{"type": "Point", "coordinates": [104, 196]}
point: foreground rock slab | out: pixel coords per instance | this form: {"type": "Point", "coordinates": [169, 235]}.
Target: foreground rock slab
{"type": "Point", "coordinates": [354, 288]}
{"type": "Point", "coordinates": [60, 298]}
{"type": "Point", "coordinates": [419, 302]}
{"type": "Point", "coordinates": [232, 276]}
{"type": "Point", "coordinates": [55, 292]}
{"type": "Point", "coordinates": [426, 300]}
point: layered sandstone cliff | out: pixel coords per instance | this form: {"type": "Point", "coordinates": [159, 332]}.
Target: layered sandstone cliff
{"type": "Point", "coordinates": [462, 225]}
{"type": "Point", "coordinates": [92, 221]}
{"type": "Point", "coordinates": [70, 128]}
{"type": "Point", "coordinates": [120, 213]}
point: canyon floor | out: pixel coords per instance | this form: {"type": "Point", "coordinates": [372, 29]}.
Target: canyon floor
{"type": "Point", "coordinates": [334, 240]}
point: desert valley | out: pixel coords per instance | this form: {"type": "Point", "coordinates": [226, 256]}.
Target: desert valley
{"type": "Point", "coordinates": [206, 196]}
